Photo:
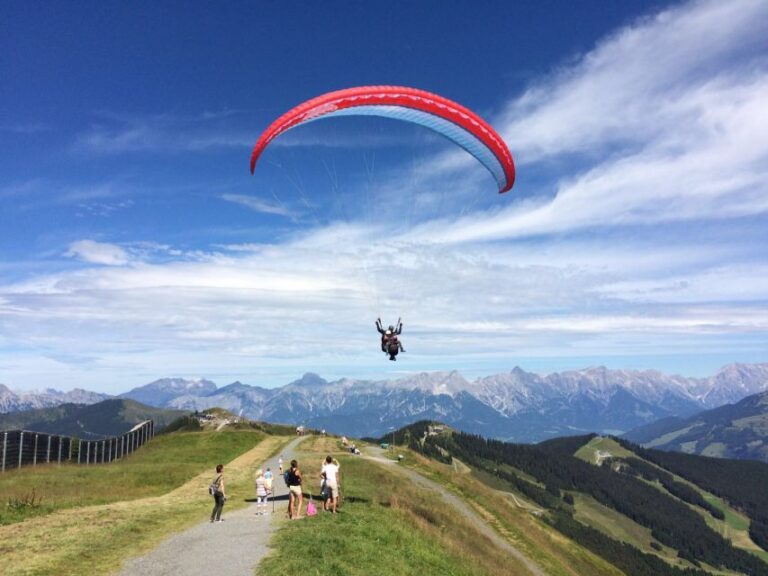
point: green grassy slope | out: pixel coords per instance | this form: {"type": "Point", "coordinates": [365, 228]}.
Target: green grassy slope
{"type": "Point", "coordinates": [94, 421]}
{"type": "Point", "coordinates": [610, 506]}
{"type": "Point", "coordinates": [734, 527]}
{"type": "Point", "coordinates": [163, 464]}
{"type": "Point", "coordinates": [732, 431]}
{"type": "Point", "coordinates": [390, 526]}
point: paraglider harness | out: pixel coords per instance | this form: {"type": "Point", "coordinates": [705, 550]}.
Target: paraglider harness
{"type": "Point", "coordinates": [390, 344]}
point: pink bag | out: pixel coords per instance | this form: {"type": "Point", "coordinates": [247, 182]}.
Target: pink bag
{"type": "Point", "coordinates": [311, 509]}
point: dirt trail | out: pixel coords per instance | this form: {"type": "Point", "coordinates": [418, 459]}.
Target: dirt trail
{"type": "Point", "coordinates": [460, 506]}
{"type": "Point", "coordinates": [230, 548]}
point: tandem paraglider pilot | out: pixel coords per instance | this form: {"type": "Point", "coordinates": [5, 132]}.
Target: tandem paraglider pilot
{"type": "Point", "coordinates": [390, 343]}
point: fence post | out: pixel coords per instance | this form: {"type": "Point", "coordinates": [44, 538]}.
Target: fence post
{"type": "Point", "coordinates": [48, 453]}
{"type": "Point", "coordinates": [88, 452]}
{"type": "Point", "coordinates": [60, 441]}
{"type": "Point", "coordinates": [21, 446]}
{"type": "Point", "coordinates": [34, 454]}
{"type": "Point", "coordinates": [5, 447]}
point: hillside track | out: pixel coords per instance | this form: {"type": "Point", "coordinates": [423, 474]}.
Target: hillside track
{"type": "Point", "coordinates": [460, 506]}
{"type": "Point", "coordinates": [230, 548]}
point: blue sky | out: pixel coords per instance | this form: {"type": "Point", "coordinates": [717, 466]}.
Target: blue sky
{"type": "Point", "coordinates": [135, 244]}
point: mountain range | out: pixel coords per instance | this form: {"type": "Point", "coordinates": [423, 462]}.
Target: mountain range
{"type": "Point", "coordinates": [11, 401]}
{"type": "Point", "coordinates": [516, 405]}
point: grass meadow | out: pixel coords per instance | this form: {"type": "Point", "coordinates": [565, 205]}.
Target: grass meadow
{"type": "Point", "coordinates": [556, 554]}
{"type": "Point", "coordinates": [167, 462]}
{"type": "Point", "coordinates": [164, 493]}
{"type": "Point", "coordinates": [389, 526]}
{"type": "Point", "coordinates": [386, 526]}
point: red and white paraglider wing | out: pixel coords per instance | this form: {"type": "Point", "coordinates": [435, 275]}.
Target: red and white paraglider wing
{"type": "Point", "coordinates": [452, 120]}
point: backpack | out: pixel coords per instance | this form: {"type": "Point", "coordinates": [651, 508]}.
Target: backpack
{"type": "Point", "coordinates": [287, 477]}
{"type": "Point", "coordinates": [214, 487]}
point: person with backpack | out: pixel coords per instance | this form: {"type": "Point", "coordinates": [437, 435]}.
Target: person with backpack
{"type": "Point", "coordinates": [293, 480]}
{"type": "Point", "coordinates": [219, 495]}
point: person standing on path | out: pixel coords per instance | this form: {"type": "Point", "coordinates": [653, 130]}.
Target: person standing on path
{"type": "Point", "coordinates": [261, 493]}
{"type": "Point", "coordinates": [331, 473]}
{"type": "Point", "coordinates": [294, 494]}
{"type": "Point", "coordinates": [280, 463]}
{"type": "Point", "coordinates": [219, 494]}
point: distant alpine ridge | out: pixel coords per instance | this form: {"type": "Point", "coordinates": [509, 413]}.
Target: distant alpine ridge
{"type": "Point", "coordinates": [517, 406]}
{"type": "Point", "coordinates": [18, 401]}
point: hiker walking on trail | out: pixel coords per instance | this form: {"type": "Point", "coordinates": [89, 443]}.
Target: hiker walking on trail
{"type": "Point", "coordinates": [280, 463]}
{"type": "Point", "coordinates": [219, 494]}
{"type": "Point", "coordinates": [295, 497]}
{"type": "Point", "coordinates": [261, 493]}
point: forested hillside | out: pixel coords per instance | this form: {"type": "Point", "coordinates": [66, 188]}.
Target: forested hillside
{"type": "Point", "coordinates": [737, 430]}
{"type": "Point", "coordinates": [668, 501]}
{"type": "Point", "coordinates": [743, 483]}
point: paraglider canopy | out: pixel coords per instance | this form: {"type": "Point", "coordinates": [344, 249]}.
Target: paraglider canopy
{"type": "Point", "coordinates": [452, 120]}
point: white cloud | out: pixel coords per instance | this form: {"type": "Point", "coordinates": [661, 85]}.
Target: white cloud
{"type": "Point", "coordinates": [667, 118]}
{"type": "Point", "coordinates": [259, 205]}
{"type": "Point", "coordinates": [98, 253]}
{"type": "Point", "coordinates": [163, 133]}
{"type": "Point", "coordinates": [116, 133]}
{"type": "Point", "coordinates": [649, 244]}
{"type": "Point", "coordinates": [636, 85]}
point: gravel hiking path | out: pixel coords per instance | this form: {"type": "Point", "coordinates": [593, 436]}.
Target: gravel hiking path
{"type": "Point", "coordinates": [230, 548]}
{"type": "Point", "coordinates": [459, 505]}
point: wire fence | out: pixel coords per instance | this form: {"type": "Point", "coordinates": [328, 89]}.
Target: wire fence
{"type": "Point", "coordinates": [25, 448]}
